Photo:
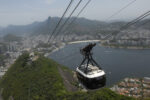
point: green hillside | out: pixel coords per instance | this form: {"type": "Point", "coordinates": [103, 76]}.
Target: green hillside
{"type": "Point", "coordinates": [40, 80]}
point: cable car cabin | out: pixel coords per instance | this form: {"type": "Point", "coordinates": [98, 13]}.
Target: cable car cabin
{"type": "Point", "coordinates": [92, 77]}
{"type": "Point", "coordinates": [89, 72]}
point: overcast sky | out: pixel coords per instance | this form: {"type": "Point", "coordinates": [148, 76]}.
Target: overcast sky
{"type": "Point", "coordinates": [21, 12]}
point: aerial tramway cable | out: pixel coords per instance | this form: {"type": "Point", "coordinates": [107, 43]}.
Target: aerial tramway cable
{"type": "Point", "coordinates": [128, 25]}
{"type": "Point", "coordinates": [119, 11]}
{"type": "Point", "coordinates": [49, 38]}
{"type": "Point", "coordinates": [70, 24]}
{"type": "Point", "coordinates": [79, 13]}
{"type": "Point", "coordinates": [116, 13]}
{"type": "Point", "coordinates": [67, 19]}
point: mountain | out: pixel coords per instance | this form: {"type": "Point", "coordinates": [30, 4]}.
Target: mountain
{"type": "Point", "coordinates": [31, 29]}
{"type": "Point", "coordinates": [80, 27]}
{"type": "Point", "coordinates": [11, 38]}
{"type": "Point", "coordinates": [41, 80]}
{"type": "Point", "coordinates": [145, 24]}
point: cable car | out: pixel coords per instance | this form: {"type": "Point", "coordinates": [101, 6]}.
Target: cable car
{"type": "Point", "coordinates": [89, 72]}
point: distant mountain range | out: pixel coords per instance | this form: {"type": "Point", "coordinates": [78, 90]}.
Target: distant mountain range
{"type": "Point", "coordinates": [81, 26]}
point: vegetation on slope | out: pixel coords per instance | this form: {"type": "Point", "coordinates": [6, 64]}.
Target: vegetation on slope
{"type": "Point", "coordinates": [40, 80]}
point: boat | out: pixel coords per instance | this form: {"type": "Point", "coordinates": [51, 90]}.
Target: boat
{"type": "Point", "coordinates": [89, 73]}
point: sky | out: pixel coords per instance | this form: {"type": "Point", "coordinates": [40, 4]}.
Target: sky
{"type": "Point", "coordinates": [22, 12]}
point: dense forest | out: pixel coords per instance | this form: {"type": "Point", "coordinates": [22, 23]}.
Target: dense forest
{"type": "Point", "coordinates": [41, 80]}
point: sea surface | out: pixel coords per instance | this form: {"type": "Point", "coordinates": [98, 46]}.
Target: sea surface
{"type": "Point", "coordinates": [117, 63]}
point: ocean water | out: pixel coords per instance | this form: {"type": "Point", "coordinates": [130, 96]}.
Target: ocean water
{"type": "Point", "coordinates": [117, 63]}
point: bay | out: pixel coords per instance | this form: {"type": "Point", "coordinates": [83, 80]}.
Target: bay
{"type": "Point", "coordinates": [117, 63]}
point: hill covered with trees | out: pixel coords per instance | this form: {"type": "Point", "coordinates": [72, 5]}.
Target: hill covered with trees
{"type": "Point", "coordinates": [41, 80]}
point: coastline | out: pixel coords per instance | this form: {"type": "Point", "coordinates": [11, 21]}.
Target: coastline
{"type": "Point", "coordinates": [63, 44]}
{"type": "Point", "coordinates": [56, 49]}
{"type": "Point", "coordinates": [126, 47]}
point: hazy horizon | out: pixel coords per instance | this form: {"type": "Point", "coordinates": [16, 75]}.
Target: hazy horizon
{"type": "Point", "coordinates": [65, 17]}
{"type": "Point", "coordinates": [23, 12]}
